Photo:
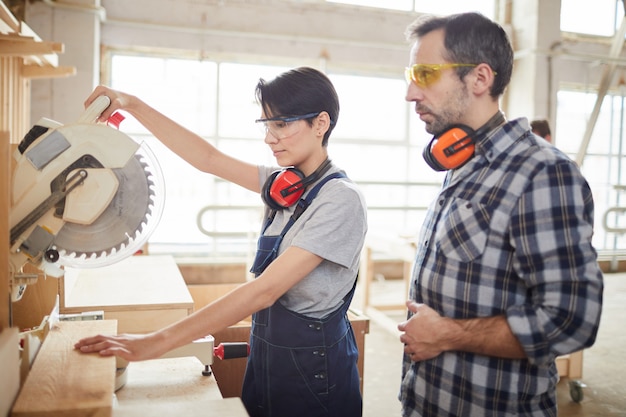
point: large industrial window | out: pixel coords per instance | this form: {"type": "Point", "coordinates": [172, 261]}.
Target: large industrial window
{"type": "Point", "coordinates": [602, 19]}
{"type": "Point", "coordinates": [604, 164]}
{"type": "Point", "coordinates": [378, 142]}
{"type": "Point", "coordinates": [486, 7]}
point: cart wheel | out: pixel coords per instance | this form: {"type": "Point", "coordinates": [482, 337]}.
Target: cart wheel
{"type": "Point", "coordinates": [576, 391]}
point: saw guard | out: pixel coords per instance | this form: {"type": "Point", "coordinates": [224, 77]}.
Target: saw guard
{"type": "Point", "coordinates": [124, 225]}
{"type": "Point", "coordinates": [85, 204]}
{"type": "Point", "coordinates": [127, 222]}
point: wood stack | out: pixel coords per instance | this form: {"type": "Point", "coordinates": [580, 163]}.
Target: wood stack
{"type": "Point", "coordinates": [23, 57]}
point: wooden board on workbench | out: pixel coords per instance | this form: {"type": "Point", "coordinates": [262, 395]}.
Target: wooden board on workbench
{"type": "Point", "coordinates": [63, 381]}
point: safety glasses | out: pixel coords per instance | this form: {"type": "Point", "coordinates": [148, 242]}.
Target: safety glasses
{"type": "Point", "coordinates": [283, 126]}
{"type": "Point", "coordinates": [424, 75]}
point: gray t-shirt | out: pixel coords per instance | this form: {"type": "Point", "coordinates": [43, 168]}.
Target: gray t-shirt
{"type": "Point", "coordinates": [332, 227]}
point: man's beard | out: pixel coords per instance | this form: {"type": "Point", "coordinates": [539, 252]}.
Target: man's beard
{"type": "Point", "coordinates": [452, 113]}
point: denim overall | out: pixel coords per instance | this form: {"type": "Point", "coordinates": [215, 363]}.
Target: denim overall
{"type": "Point", "coordinates": [301, 366]}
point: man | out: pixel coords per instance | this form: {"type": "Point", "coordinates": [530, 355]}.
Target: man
{"type": "Point", "coordinates": [541, 127]}
{"type": "Point", "coordinates": [505, 278]}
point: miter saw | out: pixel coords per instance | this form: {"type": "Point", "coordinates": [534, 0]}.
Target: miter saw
{"type": "Point", "coordinates": [83, 195]}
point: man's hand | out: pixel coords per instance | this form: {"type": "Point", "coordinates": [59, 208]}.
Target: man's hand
{"type": "Point", "coordinates": [425, 333]}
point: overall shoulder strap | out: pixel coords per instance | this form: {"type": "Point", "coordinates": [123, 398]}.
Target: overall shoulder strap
{"type": "Point", "coordinates": [304, 203]}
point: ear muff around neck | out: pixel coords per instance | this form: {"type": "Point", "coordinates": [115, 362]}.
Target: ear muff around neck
{"type": "Point", "coordinates": [284, 188]}
{"type": "Point", "coordinates": [450, 149]}
{"type": "Point", "coordinates": [455, 146]}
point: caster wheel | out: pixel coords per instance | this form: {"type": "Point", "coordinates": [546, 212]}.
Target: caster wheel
{"type": "Point", "coordinates": [576, 391]}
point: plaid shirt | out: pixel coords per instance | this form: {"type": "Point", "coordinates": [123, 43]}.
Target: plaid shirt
{"type": "Point", "coordinates": [509, 234]}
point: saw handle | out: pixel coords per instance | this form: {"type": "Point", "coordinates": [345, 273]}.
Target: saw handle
{"type": "Point", "coordinates": [95, 109]}
{"type": "Point", "coordinates": [115, 119]}
{"type": "Point", "coordinates": [231, 350]}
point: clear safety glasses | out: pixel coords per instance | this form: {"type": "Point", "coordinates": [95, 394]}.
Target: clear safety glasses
{"type": "Point", "coordinates": [424, 75]}
{"type": "Point", "coordinates": [281, 127]}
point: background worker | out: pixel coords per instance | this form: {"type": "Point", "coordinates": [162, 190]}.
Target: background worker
{"type": "Point", "coordinates": [541, 127]}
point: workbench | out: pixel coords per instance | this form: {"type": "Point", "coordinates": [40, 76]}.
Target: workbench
{"type": "Point", "coordinates": [143, 294]}
{"type": "Point", "coordinates": [172, 386]}
{"type": "Point", "coordinates": [63, 381]}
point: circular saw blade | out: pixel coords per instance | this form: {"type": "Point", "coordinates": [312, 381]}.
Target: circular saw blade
{"type": "Point", "coordinates": [125, 224]}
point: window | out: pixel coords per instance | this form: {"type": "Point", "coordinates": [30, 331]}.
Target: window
{"type": "Point", "coordinates": [602, 19]}
{"type": "Point", "coordinates": [183, 89]}
{"type": "Point", "coordinates": [604, 165]}
{"type": "Point", "coordinates": [405, 5]}
{"type": "Point", "coordinates": [371, 108]}
{"type": "Point", "coordinates": [486, 7]}
{"type": "Point", "coordinates": [378, 141]}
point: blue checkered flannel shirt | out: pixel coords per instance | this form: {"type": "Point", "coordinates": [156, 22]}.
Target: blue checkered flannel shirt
{"type": "Point", "coordinates": [509, 234]}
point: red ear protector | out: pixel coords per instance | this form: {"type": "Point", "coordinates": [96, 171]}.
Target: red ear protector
{"type": "Point", "coordinates": [453, 147]}
{"type": "Point", "coordinates": [285, 187]}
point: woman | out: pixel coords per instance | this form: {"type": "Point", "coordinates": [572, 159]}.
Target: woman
{"type": "Point", "coordinates": [303, 355]}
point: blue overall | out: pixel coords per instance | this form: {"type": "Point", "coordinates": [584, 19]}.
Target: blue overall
{"type": "Point", "coordinates": [301, 366]}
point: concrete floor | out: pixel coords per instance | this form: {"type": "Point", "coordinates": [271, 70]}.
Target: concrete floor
{"type": "Point", "coordinates": [604, 365]}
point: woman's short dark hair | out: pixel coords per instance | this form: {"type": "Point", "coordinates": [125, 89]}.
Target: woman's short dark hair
{"type": "Point", "coordinates": [471, 38]}
{"type": "Point", "coordinates": [299, 91]}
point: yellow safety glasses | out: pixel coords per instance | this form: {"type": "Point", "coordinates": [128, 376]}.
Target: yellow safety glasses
{"type": "Point", "coordinates": [424, 75]}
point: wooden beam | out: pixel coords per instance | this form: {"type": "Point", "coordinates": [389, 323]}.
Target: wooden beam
{"type": "Point", "coordinates": [36, 71]}
{"type": "Point", "coordinates": [7, 17]}
{"type": "Point", "coordinates": [9, 357]}
{"type": "Point", "coordinates": [15, 48]}
{"type": "Point", "coordinates": [5, 197]}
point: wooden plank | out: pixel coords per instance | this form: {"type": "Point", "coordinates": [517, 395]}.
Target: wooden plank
{"type": "Point", "coordinates": [143, 293]}
{"type": "Point", "coordinates": [12, 36]}
{"type": "Point", "coordinates": [4, 223]}
{"type": "Point", "coordinates": [7, 17]}
{"type": "Point", "coordinates": [63, 381]}
{"type": "Point", "coordinates": [37, 302]}
{"type": "Point", "coordinates": [22, 47]}
{"type": "Point", "coordinates": [36, 71]}
{"type": "Point", "coordinates": [570, 366]}
{"type": "Point", "coordinates": [145, 321]}
{"type": "Point", "coordinates": [576, 365]}
{"type": "Point", "coordinates": [9, 358]}
{"type": "Point", "coordinates": [361, 327]}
